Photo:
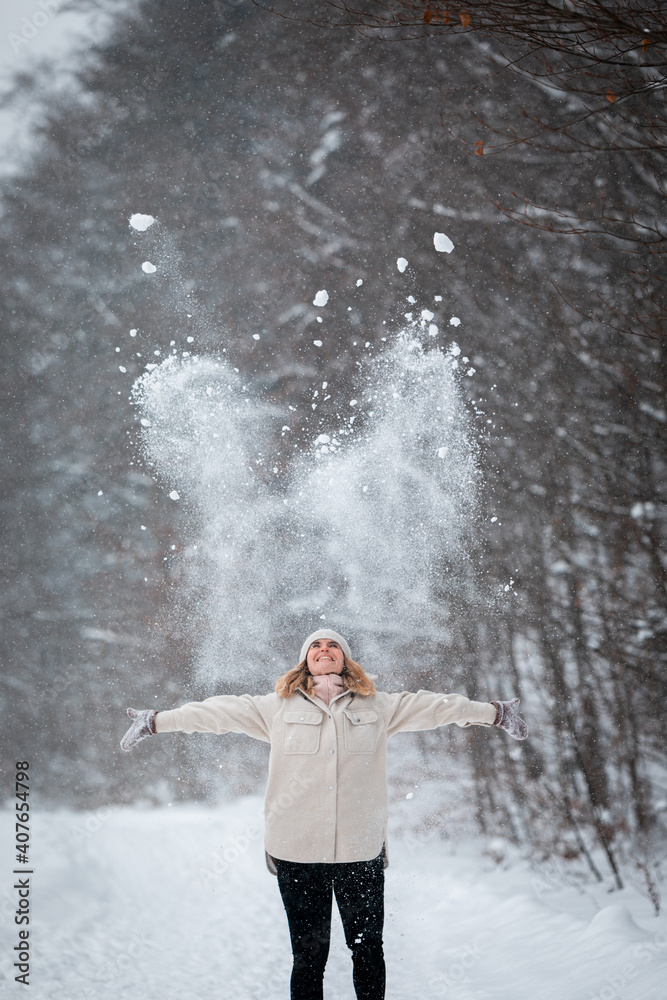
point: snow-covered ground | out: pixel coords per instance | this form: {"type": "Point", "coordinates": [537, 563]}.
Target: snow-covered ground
{"type": "Point", "coordinates": [176, 903]}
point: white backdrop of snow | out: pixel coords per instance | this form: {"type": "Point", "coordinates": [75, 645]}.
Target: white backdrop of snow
{"type": "Point", "coordinates": [122, 911]}
{"type": "Point", "coordinates": [63, 34]}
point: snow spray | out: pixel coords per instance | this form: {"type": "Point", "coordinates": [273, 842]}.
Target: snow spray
{"type": "Point", "coordinates": [368, 532]}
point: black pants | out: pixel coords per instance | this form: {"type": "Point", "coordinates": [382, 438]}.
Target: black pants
{"type": "Point", "coordinates": [359, 888]}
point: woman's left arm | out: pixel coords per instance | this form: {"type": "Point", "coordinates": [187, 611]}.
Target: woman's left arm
{"type": "Point", "coordinates": [427, 710]}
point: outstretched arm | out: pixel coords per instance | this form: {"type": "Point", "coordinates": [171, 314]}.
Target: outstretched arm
{"type": "Point", "coordinates": [225, 713]}
{"type": "Point", "coordinates": [427, 710]}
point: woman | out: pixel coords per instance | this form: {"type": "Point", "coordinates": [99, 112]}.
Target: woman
{"type": "Point", "coordinates": [326, 796]}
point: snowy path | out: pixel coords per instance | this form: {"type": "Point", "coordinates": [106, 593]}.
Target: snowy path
{"type": "Point", "coordinates": [122, 912]}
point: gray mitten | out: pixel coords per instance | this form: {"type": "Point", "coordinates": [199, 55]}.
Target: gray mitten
{"type": "Point", "coordinates": [508, 718]}
{"type": "Point", "coordinates": [143, 726]}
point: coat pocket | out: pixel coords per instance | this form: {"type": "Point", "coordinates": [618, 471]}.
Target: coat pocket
{"type": "Point", "coordinates": [361, 731]}
{"type": "Point", "coordinates": [301, 732]}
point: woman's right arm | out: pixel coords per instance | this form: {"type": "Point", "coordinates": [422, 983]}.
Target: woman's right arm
{"type": "Point", "coordinates": [225, 713]}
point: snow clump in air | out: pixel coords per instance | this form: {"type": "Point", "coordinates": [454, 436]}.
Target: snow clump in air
{"type": "Point", "coordinates": [401, 264]}
{"type": "Point", "coordinates": [321, 298]}
{"type": "Point", "coordinates": [380, 549]}
{"type": "Point", "coordinates": [148, 267]}
{"type": "Point", "coordinates": [442, 243]}
{"type": "Point", "coordinates": [141, 222]}
{"type": "Point", "coordinates": [455, 321]}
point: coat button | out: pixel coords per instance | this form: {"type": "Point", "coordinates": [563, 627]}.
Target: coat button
{"type": "Point", "coordinates": [332, 751]}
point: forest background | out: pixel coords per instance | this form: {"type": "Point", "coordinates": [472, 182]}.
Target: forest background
{"type": "Point", "coordinates": [281, 156]}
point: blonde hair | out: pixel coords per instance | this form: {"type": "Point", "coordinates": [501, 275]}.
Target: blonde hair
{"type": "Point", "coordinates": [353, 675]}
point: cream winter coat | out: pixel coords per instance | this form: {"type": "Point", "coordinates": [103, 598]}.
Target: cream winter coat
{"type": "Point", "coordinates": [326, 796]}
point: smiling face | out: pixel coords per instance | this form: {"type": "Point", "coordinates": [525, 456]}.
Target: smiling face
{"type": "Point", "coordinates": [325, 656]}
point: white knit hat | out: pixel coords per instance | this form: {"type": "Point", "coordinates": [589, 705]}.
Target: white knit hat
{"type": "Point", "coordinates": [325, 633]}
